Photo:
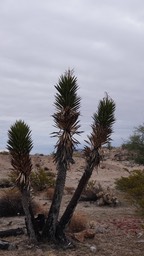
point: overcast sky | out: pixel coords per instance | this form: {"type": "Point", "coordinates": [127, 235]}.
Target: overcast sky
{"type": "Point", "coordinates": [102, 40]}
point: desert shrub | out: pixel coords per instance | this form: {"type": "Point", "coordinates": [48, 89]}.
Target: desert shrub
{"type": "Point", "coordinates": [11, 204]}
{"type": "Point", "coordinates": [37, 166]}
{"type": "Point", "coordinates": [50, 193]}
{"type": "Point", "coordinates": [91, 185]}
{"type": "Point", "coordinates": [135, 144]}
{"type": "Point", "coordinates": [42, 179]}
{"type": "Point", "coordinates": [134, 180]}
{"type": "Point", "coordinates": [5, 183]}
{"type": "Point", "coordinates": [139, 159]}
{"type": "Point", "coordinates": [92, 188]}
{"type": "Point", "coordinates": [133, 185]}
{"type": "Point", "coordinates": [78, 222]}
{"type": "Point", "coordinates": [5, 153]}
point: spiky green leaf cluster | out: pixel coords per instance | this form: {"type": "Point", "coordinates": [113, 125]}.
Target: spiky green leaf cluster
{"type": "Point", "coordinates": [104, 117]}
{"type": "Point", "coordinates": [103, 121]}
{"type": "Point", "coordinates": [66, 96]}
{"type": "Point", "coordinates": [19, 138]}
{"type": "Point", "coordinates": [67, 104]}
{"type": "Point", "coordinates": [19, 145]}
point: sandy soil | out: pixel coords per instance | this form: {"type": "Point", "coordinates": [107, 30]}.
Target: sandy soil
{"type": "Point", "coordinates": [118, 230]}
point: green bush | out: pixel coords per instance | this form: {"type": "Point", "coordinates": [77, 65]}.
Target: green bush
{"type": "Point", "coordinates": [135, 145]}
{"type": "Point", "coordinates": [42, 179]}
{"type": "Point", "coordinates": [133, 186]}
{"type": "Point", "coordinates": [139, 159]}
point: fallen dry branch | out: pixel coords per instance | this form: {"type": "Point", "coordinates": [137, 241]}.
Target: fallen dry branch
{"type": "Point", "coordinates": [12, 232]}
{"type": "Point", "coordinates": [4, 245]}
{"type": "Point", "coordinates": [88, 198]}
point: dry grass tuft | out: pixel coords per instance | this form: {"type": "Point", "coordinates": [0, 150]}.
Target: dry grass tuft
{"type": "Point", "coordinates": [78, 222]}
{"type": "Point", "coordinates": [50, 193]}
{"type": "Point", "coordinates": [11, 204]}
{"type": "Point", "coordinates": [69, 190]}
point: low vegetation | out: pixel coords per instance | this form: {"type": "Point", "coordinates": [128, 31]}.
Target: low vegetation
{"type": "Point", "coordinates": [135, 145]}
{"type": "Point", "coordinates": [11, 203]}
{"type": "Point", "coordinates": [133, 185]}
{"type": "Point", "coordinates": [5, 183]}
{"type": "Point", "coordinates": [42, 179]}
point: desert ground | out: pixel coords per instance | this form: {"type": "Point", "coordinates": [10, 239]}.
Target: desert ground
{"type": "Point", "coordinates": [118, 231]}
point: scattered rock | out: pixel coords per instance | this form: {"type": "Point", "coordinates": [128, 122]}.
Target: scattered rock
{"type": "Point", "coordinates": [101, 229]}
{"type": "Point", "coordinates": [39, 252]}
{"type": "Point", "coordinates": [85, 234]}
{"type": "Point", "coordinates": [139, 235]}
{"type": "Point", "coordinates": [92, 224]}
{"type": "Point", "coordinates": [140, 241]}
{"type": "Point", "coordinates": [95, 192]}
{"type": "Point", "coordinates": [93, 248]}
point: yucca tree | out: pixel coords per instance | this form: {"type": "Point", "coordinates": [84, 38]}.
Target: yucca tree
{"type": "Point", "coordinates": [67, 104]}
{"type": "Point", "coordinates": [19, 145]}
{"type": "Point", "coordinates": [102, 129]}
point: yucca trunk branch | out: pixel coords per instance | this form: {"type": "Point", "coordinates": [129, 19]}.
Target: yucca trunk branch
{"type": "Point", "coordinates": [101, 131]}
{"type": "Point", "coordinates": [50, 226]}
{"type": "Point", "coordinates": [92, 162]}
{"type": "Point", "coordinates": [26, 203]}
{"type": "Point", "coordinates": [63, 157]}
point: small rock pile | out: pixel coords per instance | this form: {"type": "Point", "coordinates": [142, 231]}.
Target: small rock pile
{"type": "Point", "coordinates": [95, 192]}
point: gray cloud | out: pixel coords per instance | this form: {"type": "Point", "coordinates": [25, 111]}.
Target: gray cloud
{"type": "Point", "coordinates": [102, 40]}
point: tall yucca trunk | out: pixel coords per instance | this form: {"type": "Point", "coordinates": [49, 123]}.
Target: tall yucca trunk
{"type": "Point", "coordinates": [66, 119]}
{"type": "Point", "coordinates": [26, 203]}
{"type": "Point", "coordinates": [50, 226]}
